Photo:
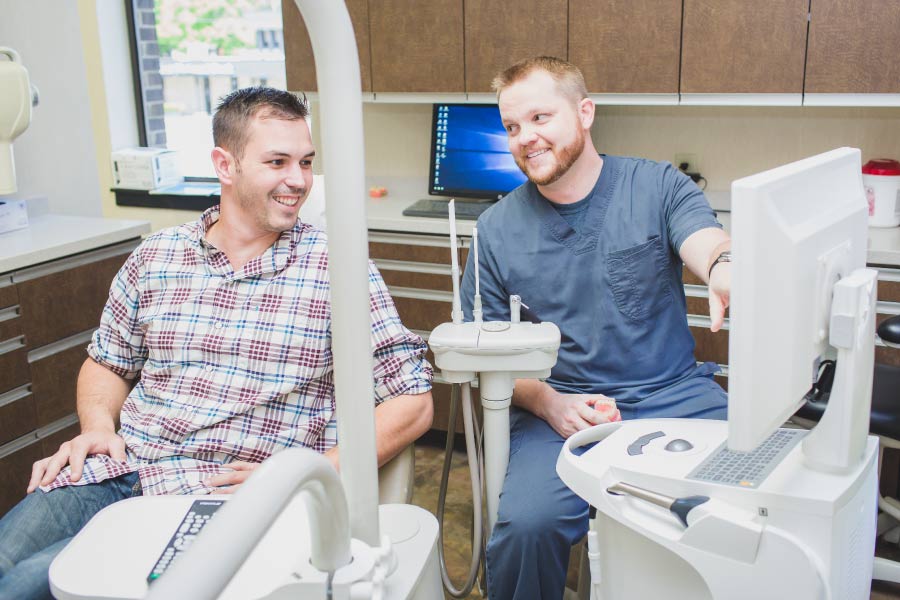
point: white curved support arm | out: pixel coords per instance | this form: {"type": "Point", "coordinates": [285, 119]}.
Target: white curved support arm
{"type": "Point", "coordinates": [221, 548]}
{"type": "Point", "coordinates": [340, 106]}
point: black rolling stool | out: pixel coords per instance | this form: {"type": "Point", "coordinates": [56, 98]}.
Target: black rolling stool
{"type": "Point", "coordinates": [884, 422]}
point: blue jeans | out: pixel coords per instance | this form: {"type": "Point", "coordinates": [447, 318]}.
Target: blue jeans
{"type": "Point", "coordinates": [40, 526]}
{"type": "Point", "coordinates": [539, 518]}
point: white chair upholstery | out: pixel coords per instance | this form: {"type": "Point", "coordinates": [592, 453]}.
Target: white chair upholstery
{"type": "Point", "coordinates": [396, 478]}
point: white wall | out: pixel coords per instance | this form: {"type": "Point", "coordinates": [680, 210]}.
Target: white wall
{"type": "Point", "coordinates": [55, 157]}
{"type": "Point", "coordinates": [729, 142]}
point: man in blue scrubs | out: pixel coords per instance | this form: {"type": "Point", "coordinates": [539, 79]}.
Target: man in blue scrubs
{"type": "Point", "coordinates": [595, 244]}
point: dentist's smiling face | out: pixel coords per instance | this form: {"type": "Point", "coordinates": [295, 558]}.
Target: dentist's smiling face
{"type": "Point", "coordinates": [546, 136]}
{"type": "Point", "coordinates": [273, 176]}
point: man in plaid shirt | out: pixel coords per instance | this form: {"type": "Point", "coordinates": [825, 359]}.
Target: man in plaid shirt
{"type": "Point", "coordinates": [214, 350]}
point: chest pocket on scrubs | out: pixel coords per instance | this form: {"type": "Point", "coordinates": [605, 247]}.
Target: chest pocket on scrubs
{"type": "Point", "coordinates": [637, 277]}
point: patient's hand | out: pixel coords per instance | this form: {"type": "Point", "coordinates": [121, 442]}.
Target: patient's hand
{"type": "Point", "coordinates": [570, 413]}
{"type": "Point", "coordinates": [73, 453]}
{"type": "Point", "coordinates": [232, 479]}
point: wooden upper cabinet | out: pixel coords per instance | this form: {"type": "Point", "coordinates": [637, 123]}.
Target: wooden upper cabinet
{"type": "Point", "coordinates": [736, 46]}
{"type": "Point", "coordinates": [626, 46]}
{"type": "Point", "coordinates": [298, 57]}
{"type": "Point", "coordinates": [417, 46]}
{"type": "Point", "coordinates": [854, 47]}
{"type": "Point", "coordinates": [499, 34]}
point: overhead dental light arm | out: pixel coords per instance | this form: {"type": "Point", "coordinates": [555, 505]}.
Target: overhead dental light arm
{"type": "Point", "coordinates": [337, 74]}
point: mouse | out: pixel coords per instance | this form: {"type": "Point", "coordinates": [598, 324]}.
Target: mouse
{"type": "Point", "coordinates": [679, 445]}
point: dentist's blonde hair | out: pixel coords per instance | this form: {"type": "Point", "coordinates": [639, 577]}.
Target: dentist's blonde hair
{"type": "Point", "coordinates": [568, 77]}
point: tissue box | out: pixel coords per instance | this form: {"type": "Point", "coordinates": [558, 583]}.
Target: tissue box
{"type": "Point", "coordinates": [13, 215]}
{"type": "Point", "coordinates": [145, 168]}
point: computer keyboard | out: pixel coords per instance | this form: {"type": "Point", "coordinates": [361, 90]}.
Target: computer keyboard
{"type": "Point", "coordinates": [427, 207]}
{"type": "Point", "coordinates": [748, 469]}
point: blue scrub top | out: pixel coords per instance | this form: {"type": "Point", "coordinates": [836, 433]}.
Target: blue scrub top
{"type": "Point", "coordinates": [614, 289]}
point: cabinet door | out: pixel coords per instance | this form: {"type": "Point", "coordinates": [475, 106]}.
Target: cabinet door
{"type": "Point", "coordinates": [298, 57]}
{"type": "Point", "coordinates": [626, 46]}
{"type": "Point", "coordinates": [853, 47]}
{"type": "Point", "coordinates": [417, 46]}
{"type": "Point", "coordinates": [15, 471]}
{"type": "Point", "coordinates": [735, 46]}
{"type": "Point", "coordinates": [66, 297]}
{"type": "Point", "coordinates": [498, 36]}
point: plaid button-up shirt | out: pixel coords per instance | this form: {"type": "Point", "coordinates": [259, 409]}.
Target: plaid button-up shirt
{"type": "Point", "coordinates": [233, 365]}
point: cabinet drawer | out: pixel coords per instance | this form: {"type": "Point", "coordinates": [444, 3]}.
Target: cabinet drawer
{"type": "Point", "coordinates": [54, 375]}
{"type": "Point", "coordinates": [888, 291]}
{"type": "Point", "coordinates": [710, 346]}
{"type": "Point", "coordinates": [13, 364]}
{"type": "Point", "coordinates": [15, 471]}
{"type": "Point", "coordinates": [51, 443]}
{"type": "Point", "coordinates": [66, 297]}
{"type": "Point", "coordinates": [10, 323]}
{"type": "Point", "coordinates": [17, 415]}
{"type": "Point", "coordinates": [410, 252]}
{"type": "Point", "coordinates": [420, 314]}
{"type": "Point", "coordinates": [8, 295]}
{"type": "Point", "coordinates": [405, 275]}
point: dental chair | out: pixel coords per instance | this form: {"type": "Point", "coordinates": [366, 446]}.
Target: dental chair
{"type": "Point", "coordinates": [884, 423]}
{"type": "Point", "coordinates": [396, 478]}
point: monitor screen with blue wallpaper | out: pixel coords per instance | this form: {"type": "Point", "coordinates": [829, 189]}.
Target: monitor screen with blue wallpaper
{"type": "Point", "coordinates": [469, 153]}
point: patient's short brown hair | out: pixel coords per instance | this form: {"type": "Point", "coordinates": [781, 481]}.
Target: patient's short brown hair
{"type": "Point", "coordinates": [235, 111]}
{"type": "Point", "coordinates": [568, 77]}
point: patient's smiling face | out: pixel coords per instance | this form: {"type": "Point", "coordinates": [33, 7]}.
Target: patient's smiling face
{"type": "Point", "coordinates": [272, 178]}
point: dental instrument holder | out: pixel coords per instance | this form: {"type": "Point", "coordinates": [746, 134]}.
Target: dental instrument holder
{"type": "Point", "coordinates": [499, 353]}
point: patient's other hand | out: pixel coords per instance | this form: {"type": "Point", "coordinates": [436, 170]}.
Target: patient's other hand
{"type": "Point", "coordinates": [73, 453]}
{"type": "Point", "coordinates": [232, 479]}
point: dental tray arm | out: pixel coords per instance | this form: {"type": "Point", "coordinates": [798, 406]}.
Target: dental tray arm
{"type": "Point", "coordinates": [221, 548]}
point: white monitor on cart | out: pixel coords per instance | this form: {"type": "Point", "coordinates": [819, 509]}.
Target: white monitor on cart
{"type": "Point", "coordinates": [694, 508]}
{"type": "Point", "coordinates": [796, 230]}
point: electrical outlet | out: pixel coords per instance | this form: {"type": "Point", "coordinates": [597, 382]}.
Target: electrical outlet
{"type": "Point", "coordinates": [693, 162]}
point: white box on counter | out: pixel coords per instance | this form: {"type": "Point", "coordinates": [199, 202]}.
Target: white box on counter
{"type": "Point", "coordinates": [13, 215]}
{"type": "Point", "coordinates": [145, 168]}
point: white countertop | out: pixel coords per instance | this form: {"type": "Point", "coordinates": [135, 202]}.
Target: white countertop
{"type": "Point", "coordinates": [49, 237]}
{"type": "Point", "coordinates": [386, 214]}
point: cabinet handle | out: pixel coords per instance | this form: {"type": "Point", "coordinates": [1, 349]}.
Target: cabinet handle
{"type": "Point", "coordinates": [23, 391]}
{"type": "Point", "coordinates": [16, 343]}
{"type": "Point", "coordinates": [9, 313]}
{"type": "Point", "coordinates": [62, 345]}
{"type": "Point", "coordinates": [71, 262]}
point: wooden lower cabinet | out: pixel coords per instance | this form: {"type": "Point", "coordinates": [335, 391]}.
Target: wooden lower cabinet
{"type": "Point", "coordinates": [15, 472]}
{"type": "Point", "coordinates": [47, 314]}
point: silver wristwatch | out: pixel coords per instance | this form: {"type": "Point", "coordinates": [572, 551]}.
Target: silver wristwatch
{"type": "Point", "coordinates": [723, 257]}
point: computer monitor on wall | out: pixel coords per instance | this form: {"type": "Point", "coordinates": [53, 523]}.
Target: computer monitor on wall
{"type": "Point", "coordinates": [470, 155]}
{"type": "Point", "coordinates": [796, 230]}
